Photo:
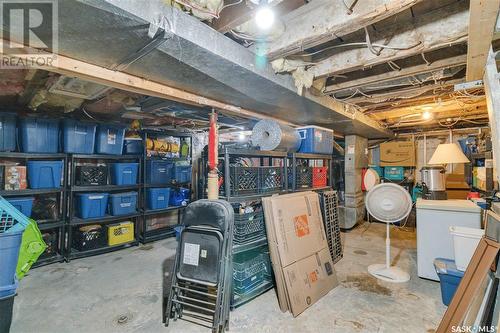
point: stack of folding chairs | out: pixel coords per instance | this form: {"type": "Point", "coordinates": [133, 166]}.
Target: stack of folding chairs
{"type": "Point", "coordinates": [329, 207]}
{"type": "Point", "coordinates": [202, 276]}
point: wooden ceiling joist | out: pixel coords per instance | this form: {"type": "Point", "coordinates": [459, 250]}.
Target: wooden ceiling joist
{"type": "Point", "coordinates": [398, 74]}
{"type": "Point", "coordinates": [483, 16]}
{"type": "Point", "coordinates": [323, 20]}
{"type": "Point", "coordinates": [437, 29]}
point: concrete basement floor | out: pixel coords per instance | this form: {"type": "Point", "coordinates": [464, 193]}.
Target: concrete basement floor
{"type": "Point", "coordinates": [93, 294]}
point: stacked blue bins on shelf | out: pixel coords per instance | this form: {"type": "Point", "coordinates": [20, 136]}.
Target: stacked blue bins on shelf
{"type": "Point", "coordinates": [449, 277]}
{"type": "Point", "coordinates": [180, 197]}
{"type": "Point", "coordinates": [78, 137]}
{"type": "Point", "coordinates": [123, 203]}
{"type": "Point", "coordinates": [133, 146]}
{"type": "Point", "coordinates": [109, 139]}
{"type": "Point", "coordinates": [24, 205]}
{"type": "Point", "coordinates": [157, 198]}
{"type": "Point", "coordinates": [182, 173]}
{"type": "Point", "coordinates": [315, 140]}
{"type": "Point", "coordinates": [39, 135]}
{"type": "Point", "coordinates": [44, 174]}
{"type": "Point", "coordinates": [124, 173]}
{"type": "Point", "coordinates": [158, 172]}
{"type": "Point", "coordinates": [395, 173]}
{"type": "Point", "coordinates": [7, 132]}
{"type": "Point", "coordinates": [91, 205]}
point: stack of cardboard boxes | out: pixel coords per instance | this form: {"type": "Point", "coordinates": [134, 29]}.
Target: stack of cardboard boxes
{"type": "Point", "coordinates": [301, 260]}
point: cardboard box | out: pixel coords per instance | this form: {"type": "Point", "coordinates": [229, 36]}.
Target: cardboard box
{"type": "Point", "coordinates": [457, 194]}
{"type": "Point", "coordinates": [15, 177]}
{"type": "Point", "coordinates": [456, 181]}
{"type": "Point", "coordinates": [399, 153]}
{"type": "Point", "coordinates": [299, 251]}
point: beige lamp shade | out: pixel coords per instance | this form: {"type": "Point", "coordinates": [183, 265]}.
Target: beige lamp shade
{"type": "Point", "coordinates": [448, 153]}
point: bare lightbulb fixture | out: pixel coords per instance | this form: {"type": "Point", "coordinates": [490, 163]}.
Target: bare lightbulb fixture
{"type": "Point", "coordinates": [264, 17]}
{"type": "Point", "coordinates": [427, 115]}
{"type": "Point", "coordinates": [241, 136]}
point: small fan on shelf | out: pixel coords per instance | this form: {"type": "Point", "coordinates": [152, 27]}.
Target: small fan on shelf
{"type": "Point", "coordinates": [388, 203]}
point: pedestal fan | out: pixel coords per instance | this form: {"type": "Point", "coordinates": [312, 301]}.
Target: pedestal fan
{"type": "Point", "coordinates": [388, 203]}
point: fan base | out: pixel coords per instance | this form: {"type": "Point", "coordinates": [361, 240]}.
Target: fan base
{"type": "Point", "coordinates": [391, 274]}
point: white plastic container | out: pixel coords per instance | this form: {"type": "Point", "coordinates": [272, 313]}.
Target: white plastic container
{"type": "Point", "coordinates": [465, 241]}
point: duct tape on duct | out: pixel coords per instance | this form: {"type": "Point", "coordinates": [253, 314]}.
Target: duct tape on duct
{"type": "Point", "coordinates": [271, 135]}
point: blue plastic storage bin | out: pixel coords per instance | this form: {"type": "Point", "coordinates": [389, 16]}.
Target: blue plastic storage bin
{"type": "Point", "coordinates": [158, 172]}
{"type": "Point", "coordinates": [180, 197]}
{"type": "Point", "coordinates": [133, 146]}
{"type": "Point", "coordinates": [78, 137]}
{"type": "Point", "coordinates": [394, 173]}
{"type": "Point", "coordinates": [124, 173]}
{"type": "Point", "coordinates": [44, 174]}
{"type": "Point", "coordinates": [157, 198]}
{"type": "Point", "coordinates": [123, 203]}
{"type": "Point", "coordinates": [109, 139]}
{"type": "Point", "coordinates": [91, 205]}
{"type": "Point", "coordinates": [24, 205]}
{"type": "Point", "coordinates": [10, 244]}
{"type": "Point", "coordinates": [7, 132]}
{"type": "Point", "coordinates": [449, 277]}
{"type": "Point", "coordinates": [39, 135]}
{"type": "Point", "coordinates": [182, 173]}
{"type": "Point", "coordinates": [315, 140]}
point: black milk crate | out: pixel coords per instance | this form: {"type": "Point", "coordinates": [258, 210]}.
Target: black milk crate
{"type": "Point", "coordinates": [89, 237]}
{"type": "Point", "coordinates": [89, 175]}
{"type": "Point", "coordinates": [303, 177]}
{"type": "Point", "coordinates": [330, 210]}
{"type": "Point", "coordinates": [271, 179]}
{"type": "Point", "coordinates": [244, 180]}
{"type": "Point", "coordinates": [249, 227]}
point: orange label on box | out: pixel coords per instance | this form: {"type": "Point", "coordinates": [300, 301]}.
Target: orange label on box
{"type": "Point", "coordinates": [301, 225]}
{"type": "Point", "coordinates": [313, 277]}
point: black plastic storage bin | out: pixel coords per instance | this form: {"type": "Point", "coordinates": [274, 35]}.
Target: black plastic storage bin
{"type": "Point", "coordinates": [89, 175]}
{"type": "Point", "coordinates": [244, 180]}
{"type": "Point", "coordinates": [6, 307]}
{"type": "Point", "coordinates": [89, 237]}
{"type": "Point", "coordinates": [249, 227]}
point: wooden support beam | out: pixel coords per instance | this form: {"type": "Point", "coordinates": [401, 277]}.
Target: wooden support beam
{"type": "Point", "coordinates": [119, 80]}
{"type": "Point", "coordinates": [392, 75]}
{"type": "Point", "coordinates": [233, 16]}
{"type": "Point", "coordinates": [323, 20]}
{"type": "Point", "coordinates": [437, 29]}
{"type": "Point", "coordinates": [482, 19]}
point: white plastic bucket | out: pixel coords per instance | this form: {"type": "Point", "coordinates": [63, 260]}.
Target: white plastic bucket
{"type": "Point", "coordinates": [465, 241]}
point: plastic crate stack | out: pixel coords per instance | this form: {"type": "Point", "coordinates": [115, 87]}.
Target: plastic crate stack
{"type": "Point", "coordinates": [252, 274]}
{"type": "Point", "coordinates": [329, 208]}
{"type": "Point", "coordinates": [255, 180]}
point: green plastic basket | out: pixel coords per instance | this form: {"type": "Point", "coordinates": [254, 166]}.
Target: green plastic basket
{"type": "Point", "coordinates": [32, 246]}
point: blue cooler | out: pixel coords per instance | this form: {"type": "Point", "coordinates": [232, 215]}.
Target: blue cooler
{"type": "Point", "coordinates": [78, 137]}
{"type": "Point", "coordinates": [182, 173]}
{"type": "Point", "coordinates": [44, 174]}
{"type": "Point", "coordinates": [124, 173]}
{"type": "Point", "coordinates": [133, 146]}
{"type": "Point", "coordinates": [24, 205]}
{"type": "Point", "coordinates": [39, 135]}
{"type": "Point", "coordinates": [158, 172]}
{"type": "Point", "coordinates": [396, 173]}
{"type": "Point", "coordinates": [123, 203]}
{"type": "Point", "coordinates": [7, 131]}
{"type": "Point", "coordinates": [91, 205]}
{"type": "Point", "coordinates": [157, 198]}
{"type": "Point", "coordinates": [109, 139]}
{"type": "Point", "coordinates": [449, 276]}
{"type": "Point", "coordinates": [315, 140]}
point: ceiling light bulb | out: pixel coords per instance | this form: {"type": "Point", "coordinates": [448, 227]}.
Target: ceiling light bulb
{"type": "Point", "coordinates": [426, 115]}
{"type": "Point", "coordinates": [264, 18]}
{"type": "Point", "coordinates": [241, 136]}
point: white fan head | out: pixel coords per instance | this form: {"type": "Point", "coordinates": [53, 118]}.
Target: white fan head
{"type": "Point", "coordinates": [388, 202]}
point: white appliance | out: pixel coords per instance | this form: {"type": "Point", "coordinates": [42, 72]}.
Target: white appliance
{"type": "Point", "coordinates": [434, 219]}
{"type": "Point", "coordinates": [388, 203]}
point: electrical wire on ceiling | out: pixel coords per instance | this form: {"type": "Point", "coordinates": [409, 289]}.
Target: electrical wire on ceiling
{"type": "Point", "coordinates": [215, 15]}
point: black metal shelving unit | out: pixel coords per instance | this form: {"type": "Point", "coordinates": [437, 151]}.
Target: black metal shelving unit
{"type": "Point", "coordinates": [54, 227]}
{"type": "Point", "coordinates": [145, 235]}
{"type": "Point", "coordinates": [249, 184]}
{"type": "Point", "coordinates": [73, 221]}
